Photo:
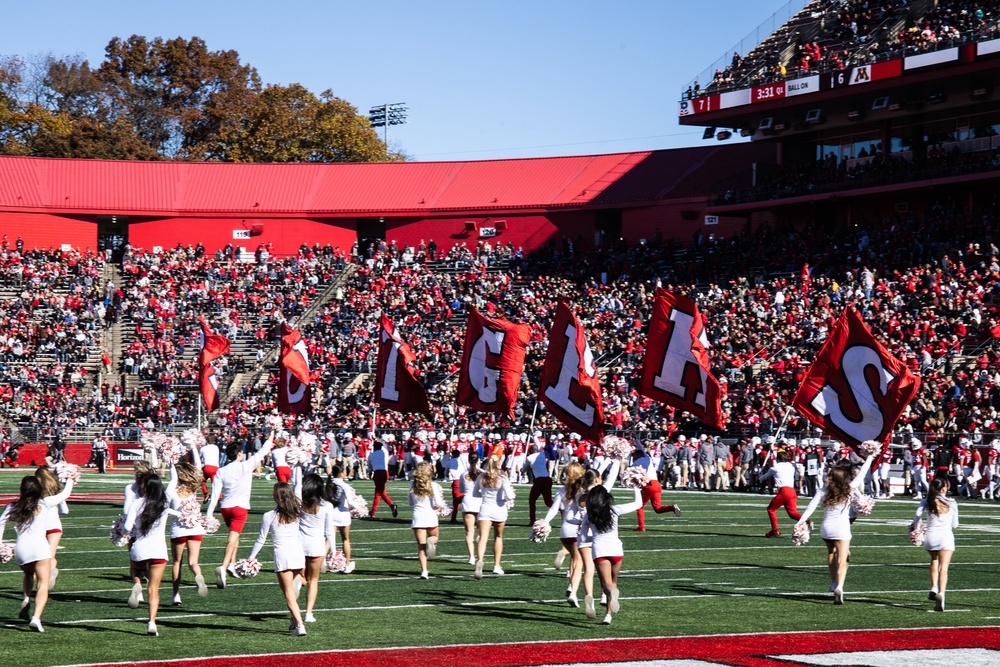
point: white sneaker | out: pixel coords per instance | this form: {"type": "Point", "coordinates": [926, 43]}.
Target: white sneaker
{"type": "Point", "coordinates": [677, 509]}
{"type": "Point", "coordinates": [615, 605]}
{"type": "Point", "coordinates": [838, 596]}
{"type": "Point", "coordinates": [604, 599]}
{"type": "Point", "coordinates": [606, 620]}
{"type": "Point", "coordinates": [497, 570]}
{"type": "Point", "coordinates": [299, 631]}
{"type": "Point", "coordinates": [350, 567]}
{"type": "Point", "coordinates": [573, 601]}
{"type": "Point", "coordinates": [231, 570]}
{"type": "Point", "coordinates": [560, 557]}
{"type": "Point", "coordinates": [151, 629]}
{"type": "Point", "coordinates": [53, 575]}
{"type": "Point", "coordinates": [136, 597]}
{"type": "Point", "coordinates": [309, 618]}
{"type": "Point", "coordinates": [324, 568]}
{"type": "Point", "coordinates": [939, 602]}
{"type": "Point", "coordinates": [202, 588]}
{"type": "Point", "coordinates": [297, 585]}
{"type": "Point", "coordinates": [176, 601]}
{"type": "Point", "coordinates": [479, 570]}
{"type": "Point", "coordinates": [431, 548]}
{"type": "Point", "coordinates": [25, 611]}
{"type": "Point", "coordinates": [220, 577]}
{"type": "Point", "coordinates": [424, 574]}
{"type": "Point", "coordinates": [36, 623]}
{"type": "Point", "coordinates": [588, 603]}
{"type": "Point", "coordinates": [472, 560]}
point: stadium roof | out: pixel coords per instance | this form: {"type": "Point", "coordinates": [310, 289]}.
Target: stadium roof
{"type": "Point", "coordinates": [151, 188]}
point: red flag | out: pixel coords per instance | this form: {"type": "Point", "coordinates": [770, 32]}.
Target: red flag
{"type": "Point", "coordinates": [213, 346]}
{"type": "Point", "coordinates": [492, 363]}
{"type": "Point", "coordinates": [570, 388]}
{"type": "Point", "coordinates": [675, 370]}
{"type": "Point", "coordinates": [294, 392]}
{"type": "Point", "coordinates": [396, 385]}
{"type": "Point", "coordinates": [855, 390]}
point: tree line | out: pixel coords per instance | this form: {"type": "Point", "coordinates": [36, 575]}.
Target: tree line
{"type": "Point", "coordinates": [173, 100]}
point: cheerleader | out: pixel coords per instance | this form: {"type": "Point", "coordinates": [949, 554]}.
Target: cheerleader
{"type": "Point", "coordinates": [470, 504]}
{"type": "Point", "coordinates": [942, 519]}
{"type": "Point", "coordinates": [32, 552]}
{"type": "Point", "coordinates": [53, 523]}
{"type": "Point", "coordinates": [146, 520]}
{"type": "Point", "coordinates": [282, 523]}
{"type": "Point", "coordinates": [185, 479]}
{"type": "Point", "coordinates": [139, 471]}
{"type": "Point", "coordinates": [836, 528]}
{"type": "Point", "coordinates": [494, 489]}
{"type": "Point", "coordinates": [338, 494]}
{"type": "Point", "coordinates": [572, 514]}
{"type": "Point", "coordinates": [600, 525]}
{"type": "Point", "coordinates": [585, 542]}
{"type": "Point", "coordinates": [426, 497]}
{"type": "Point", "coordinates": [316, 532]}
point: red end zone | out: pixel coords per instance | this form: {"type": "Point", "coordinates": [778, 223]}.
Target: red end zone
{"type": "Point", "coordinates": [754, 650]}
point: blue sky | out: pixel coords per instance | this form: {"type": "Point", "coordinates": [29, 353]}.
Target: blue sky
{"type": "Point", "coordinates": [482, 80]}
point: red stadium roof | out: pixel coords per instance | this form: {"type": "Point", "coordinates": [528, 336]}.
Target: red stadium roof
{"type": "Point", "coordinates": [150, 188]}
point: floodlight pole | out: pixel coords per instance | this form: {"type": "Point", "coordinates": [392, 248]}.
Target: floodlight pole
{"type": "Point", "coordinates": [385, 115]}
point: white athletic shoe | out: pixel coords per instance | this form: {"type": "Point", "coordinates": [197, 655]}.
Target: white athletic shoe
{"type": "Point", "coordinates": [939, 602]}
{"type": "Point", "coordinates": [176, 601]}
{"type": "Point", "coordinates": [479, 570]}
{"type": "Point", "coordinates": [299, 631]}
{"type": "Point", "coordinates": [604, 599]}
{"type": "Point", "coordinates": [615, 605]}
{"type": "Point", "coordinates": [324, 568]}
{"type": "Point", "coordinates": [309, 618]}
{"type": "Point", "coordinates": [350, 567]}
{"type": "Point", "coordinates": [677, 509]}
{"type": "Point", "coordinates": [424, 574]}
{"type": "Point", "coordinates": [838, 596]}
{"type": "Point", "coordinates": [136, 597]}
{"type": "Point", "coordinates": [297, 584]}
{"type": "Point", "coordinates": [220, 577]}
{"type": "Point", "coordinates": [151, 629]}
{"type": "Point", "coordinates": [36, 623]}
{"type": "Point", "coordinates": [53, 575]}
{"type": "Point", "coordinates": [432, 548]}
{"type": "Point", "coordinates": [588, 603]}
{"type": "Point", "coordinates": [560, 557]}
{"type": "Point", "coordinates": [25, 611]}
{"type": "Point", "coordinates": [606, 620]}
{"type": "Point", "coordinates": [498, 570]}
{"type": "Point", "coordinates": [472, 560]}
{"type": "Point", "coordinates": [932, 596]}
{"type": "Point", "coordinates": [231, 570]}
{"type": "Point", "coordinates": [202, 588]}
{"type": "Point", "coordinates": [573, 601]}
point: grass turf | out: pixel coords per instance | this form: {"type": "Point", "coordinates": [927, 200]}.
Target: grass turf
{"type": "Point", "coordinates": [709, 571]}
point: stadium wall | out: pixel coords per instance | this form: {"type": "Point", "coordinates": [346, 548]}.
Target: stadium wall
{"type": "Point", "coordinates": [680, 219]}
{"type": "Point", "coordinates": [524, 231]}
{"type": "Point", "coordinates": [285, 234]}
{"type": "Point", "coordinates": [43, 230]}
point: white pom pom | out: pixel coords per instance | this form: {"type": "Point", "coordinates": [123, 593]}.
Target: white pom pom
{"type": "Point", "coordinates": [247, 568]}
{"type": "Point", "coordinates": [273, 422]}
{"type": "Point", "coordinates": [540, 531]}
{"type": "Point", "coordinates": [635, 477]}
{"type": "Point", "coordinates": [190, 513]}
{"type": "Point", "coordinates": [615, 447]}
{"type": "Point", "coordinates": [6, 553]}
{"type": "Point", "coordinates": [359, 506]}
{"type": "Point", "coordinates": [870, 447]}
{"type": "Point", "coordinates": [917, 535]}
{"type": "Point", "coordinates": [862, 504]}
{"type": "Point", "coordinates": [119, 536]}
{"type": "Point", "coordinates": [210, 524]}
{"type": "Point", "coordinates": [336, 561]}
{"type": "Point", "coordinates": [193, 438]}
{"type": "Point", "coordinates": [801, 534]}
{"type": "Point", "coordinates": [66, 472]}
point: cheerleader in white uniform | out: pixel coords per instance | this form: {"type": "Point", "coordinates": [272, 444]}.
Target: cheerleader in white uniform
{"type": "Point", "coordinates": [572, 515]}
{"type": "Point", "coordinates": [494, 489]}
{"type": "Point", "coordinates": [53, 522]}
{"type": "Point", "coordinates": [426, 498]}
{"type": "Point", "coordinates": [584, 541]}
{"type": "Point", "coordinates": [139, 470]}
{"type": "Point", "coordinates": [470, 504]}
{"type": "Point", "coordinates": [942, 519]}
{"type": "Point", "coordinates": [836, 527]}
{"type": "Point", "coordinates": [146, 520]}
{"type": "Point", "coordinates": [338, 494]}
{"type": "Point", "coordinates": [600, 525]}
{"type": "Point", "coordinates": [185, 479]}
{"type": "Point", "coordinates": [316, 533]}
{"type": "Point", "coordinates": [31, 551]}
{"type": "Point", "coordinates": [282, 523]}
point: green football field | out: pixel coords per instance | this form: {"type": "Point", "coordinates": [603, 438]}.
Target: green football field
{"type": "Point", "coordinates": [709, 571]}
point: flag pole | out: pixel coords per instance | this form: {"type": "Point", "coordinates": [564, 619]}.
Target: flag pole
{"type": "Point", "coordinates": [781, 426]}
{"type": "Point", "coordinates": [534, 413]}
{"type": "Point", "coordinates": [199, 410]}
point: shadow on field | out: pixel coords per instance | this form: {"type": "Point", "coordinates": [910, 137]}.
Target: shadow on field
{"type": "Point", "coordinates": [466, 605]}
{"type": "Point", "coordinates": [816, 598]}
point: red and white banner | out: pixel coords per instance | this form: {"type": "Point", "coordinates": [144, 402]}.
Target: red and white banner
{"type": "Point", "coordinates": [676, 368]}
{"type": "Point", "coordinates": [396, 384]}
{"type": "Point", "coordinates": [855, 390]}
{"type": "Point", "coordinates": [570, 388]}
{"type": "Point", "coordinates": [492, 363]}
{"type": "Point", "coordinates": [294, 390]}
{"type": "Point", "coordinates": [213, 346]}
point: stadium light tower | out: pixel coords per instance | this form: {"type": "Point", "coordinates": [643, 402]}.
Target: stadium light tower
{"type": "Point", "coordinates": [386, 115]}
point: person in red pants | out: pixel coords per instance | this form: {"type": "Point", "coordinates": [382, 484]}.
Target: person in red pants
{"type": "Point", "coordinates": [783, 473]}
{"type": "Point", "coordinates": [378, 461]}
{"type": "Point", "coordinates": [652, 492]}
